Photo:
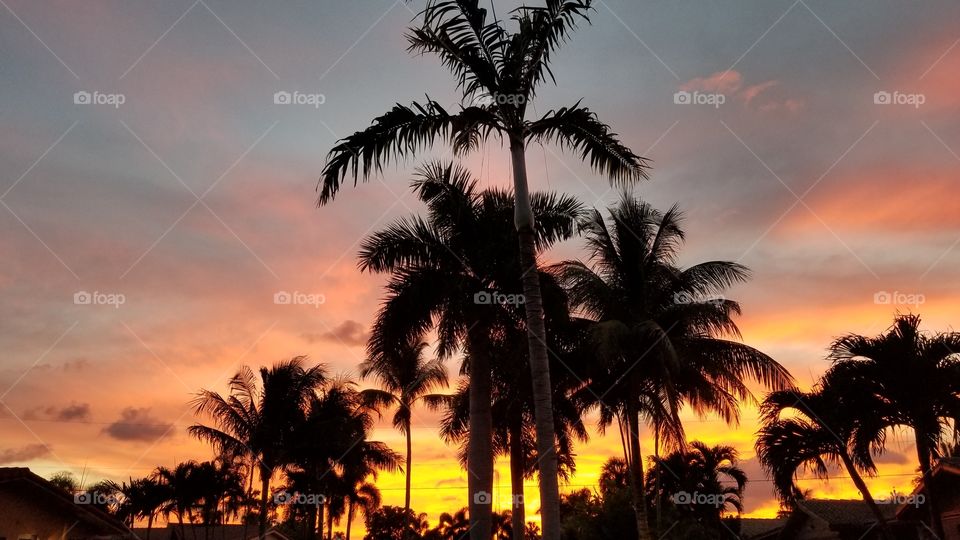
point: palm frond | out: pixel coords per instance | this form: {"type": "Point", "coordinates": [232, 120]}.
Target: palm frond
{"type": "Point", "coordinates": [578, 128]}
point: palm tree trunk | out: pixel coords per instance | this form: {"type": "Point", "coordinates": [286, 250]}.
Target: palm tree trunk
{"type": "Point", "coordinates": [537, 342]}
{"type": "Point", "coordinates": [149, 525]}
{"type": "Point", "coordinates": [656, 455]}
{"type": "Point", "coordinates": [329, 525]}
{"type": "Point", "coordinates": [636, 473]}
{"type": "Point", "coordinates": [406, 500]}
{"type": "Point", "coordinates": [518, 511]}
{"type": "Point", "coordinates": [350, 512]}
{"type": "Point", "coordinates": [867, 497]}
{"type": "Point", "coordinates": [924, 452]}
{"type": "Point", "coordinates": [480, 443]}
{"type": "Point", "coordinates": [264, 500]}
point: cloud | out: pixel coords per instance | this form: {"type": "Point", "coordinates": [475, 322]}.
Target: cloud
{"type": "Point", "coordinates": [723, 82]}
{"type": "Point", "coordinates": [72, 412]}
{"type": "Point", "coordinates": [138, 425]}
{"type": "Point", "coordinates": [24, 453]}
{"type": "Point", "coordinates": [759, 96]}
{"type": "Point", "coordinates": [348, 332]}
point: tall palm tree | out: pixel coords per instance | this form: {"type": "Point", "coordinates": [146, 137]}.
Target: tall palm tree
{"type": "Point", "coordinates": [662, 333]}
{"type": "Point", "coordinates": [498, 73]}
{"type": "Point", "coordinates": [699, 469]}
{"type": "Point", "coordinates": [821, 427]}
{"type": "Point", "coordinates": [912, 379]}
{"type": "Point", "coordinates": [406, 378]}
{"type": "Point", "coordinates": [259, 422]}
{"type": "Point", "coordinates": [442, 269]}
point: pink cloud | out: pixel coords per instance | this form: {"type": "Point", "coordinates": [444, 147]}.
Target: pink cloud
{"type": "Point", "coordinates": [724, 82]}
{"type": "Point", "coordinates": [761, 96]}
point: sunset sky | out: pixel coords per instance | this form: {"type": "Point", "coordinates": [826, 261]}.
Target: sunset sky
{"type": "Point", "coordinates": [194, 199]}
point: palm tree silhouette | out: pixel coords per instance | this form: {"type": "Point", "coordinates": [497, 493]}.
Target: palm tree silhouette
{"type": "Point", "coordinates": [513, 420]}
{"type": "Point", "coordinates": [442, 269]}
{"type": "Point", "coordinates": [699, 469]}
{"type": "Point", "coordinates": [822, 426]}
{"type": "Point", "coordinates": [660, 331]}
{"type": "Point", "coordinates": [406, 378]}
{"type": "Point", "coordinates": [910, 379]}
{"type": "Point", "coordinates": [498, 73]}
{"type": "Point", "coordinates": [259, 422]}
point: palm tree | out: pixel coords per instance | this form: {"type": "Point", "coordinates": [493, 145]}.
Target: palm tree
{"type": "Point", "coordinates": [913, 380]}
{"type": "Point", "coordinates": [823, 427]}
{"type": "Point", "coordinates": [442, 269]}
{"type": "Point", "coordinates": [405, 378]}
{"type": "Point", "coordinates": [183, 492]}
{"type": "Point", "coordinates": [259, 422]}
{"type": "Point", "coordinates": [699, 469]}
{"type": "Point", "coordinates": [498, 73]}
{"type": "Point", "coordinates": [663, 335]}
{"type": "Point", "coordinates": [143, 498]}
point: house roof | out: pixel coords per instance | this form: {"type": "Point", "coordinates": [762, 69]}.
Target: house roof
{"type": "Point", "coordinates": [840, 512]}
{"type": "Point", "coordinates": [204, 532]}
{"type": "Point", "coordinates": [755, 528]}
{"type": "Point", "coordinates": [946, 470]}
{"type": "Point", "coordinates": [47, 494]}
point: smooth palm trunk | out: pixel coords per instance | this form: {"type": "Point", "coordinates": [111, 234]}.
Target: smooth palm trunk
{"type": "Point", "coordinates": [518, 516]}
{"type": "Point", "coordinates": [867, 497]}
{"type": "Point", "coordinates": [537, 342]}
{"type": "Point", "coordinates": [264, 501]}
{"type": "Point", "coordinates": [636, 474]}
{"type": "Point", "coordinates": [923, 454]}
{"type": "Point", "coordinates": [406, 501]}
{"type": "Point", "coordinates": [349, 518]}
{"type": "Point", "coordinates": [480, 444]}
{"type": "Point", "coordinates": [330, 525]}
